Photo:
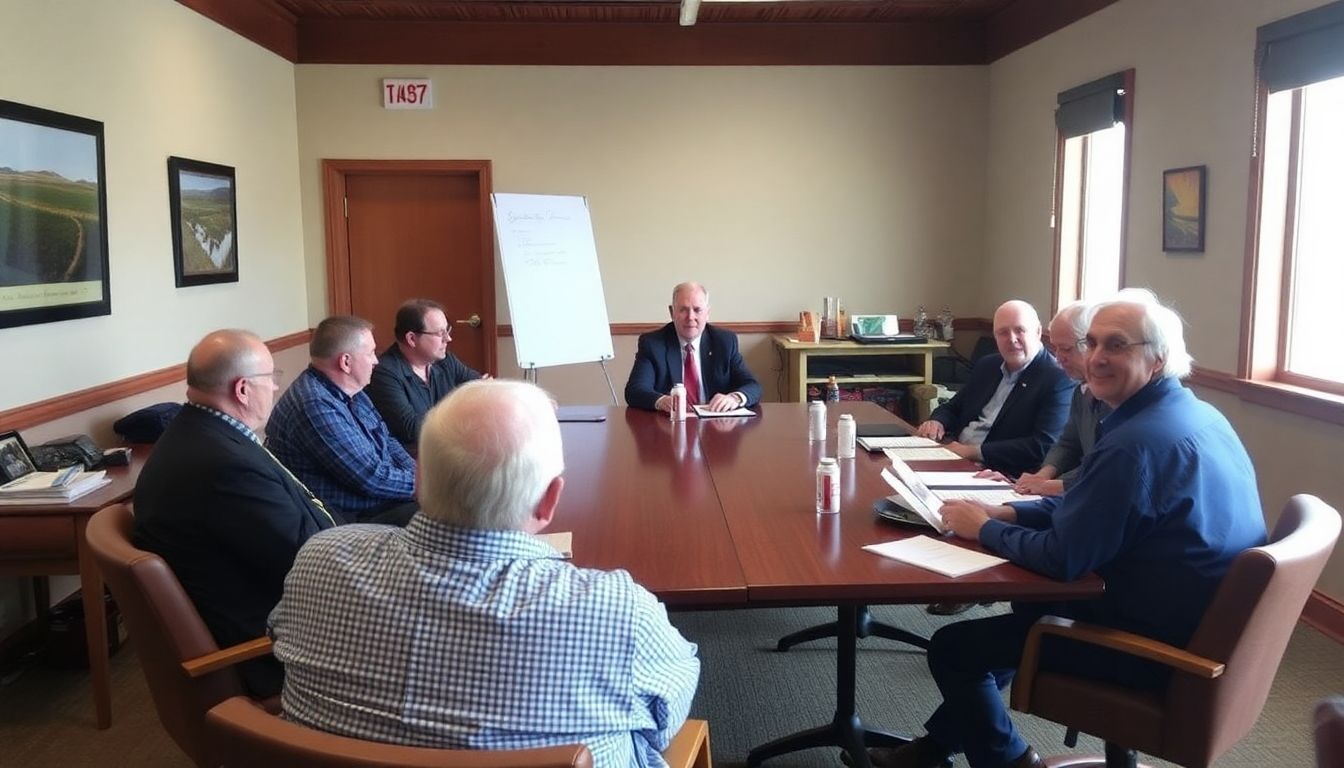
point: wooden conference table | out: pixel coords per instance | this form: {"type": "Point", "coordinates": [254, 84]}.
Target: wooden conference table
{"type": "Point", "coordinates": [720, 513]}
{"type": "Point", "coordinates": [48, 539]}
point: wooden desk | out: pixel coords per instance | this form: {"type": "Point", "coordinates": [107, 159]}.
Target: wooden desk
{"type": "Point", "coordinates": [721, 512]}
{"type": "Point", "coordinates": [797, 353]}
{"type": "Point", "coordinates": [48, 539]}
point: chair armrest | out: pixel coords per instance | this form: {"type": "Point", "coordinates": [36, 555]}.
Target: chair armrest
{"type": "Point", "coordinates": [690, 747]}
{"type": "Point", "coordinates": [227, 657]}
{"type": "Point", "coordinates": [1178, 659]}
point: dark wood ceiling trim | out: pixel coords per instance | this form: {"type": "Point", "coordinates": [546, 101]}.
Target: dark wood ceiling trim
{"type": "Point", "coordinates": [344, 41]}
{"type": "Point", "coordinates": [1026, 21]}
{"type": "Point", "coordinates": [260, 21]}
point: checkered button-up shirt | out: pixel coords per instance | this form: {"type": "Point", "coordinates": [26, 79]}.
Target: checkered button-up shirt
{"type": "Point", "coordinates": [438, 636]}
{"type": "Point", "coordinates": [339, 447]}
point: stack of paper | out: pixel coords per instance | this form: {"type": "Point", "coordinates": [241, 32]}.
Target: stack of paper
{"type": "Point", "coordinates": [562, 542]}
{"type": "Point", "coordinates": [936, 555]}
{"type": "Point", "coordinates": [934, 453]}
{"type": "Point", "coordinates": [703, 411]}
{"type": "Point", "coordinates": [37, 488]}
{"type": "Point", "coordinates": [876, 444]}
{"type": "Point", "coordinates": [965, 485]}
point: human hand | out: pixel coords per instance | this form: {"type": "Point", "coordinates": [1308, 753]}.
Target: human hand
{"type": "Point", "coordinates": [964, 450]}
{"type": "Point", "coordinates": [964, 518]}
{"type": "Point", "coordinates": [663, 404]}
{"type": "Point", "coordinates": [931, 429]}
{"type": "Point", "coordinates": [992, 474]}
{"type": "Point", "coordinates": [722, 402]}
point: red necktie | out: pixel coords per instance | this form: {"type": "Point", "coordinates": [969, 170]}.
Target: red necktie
{"type": "Point", "coordinates": [689, 377]}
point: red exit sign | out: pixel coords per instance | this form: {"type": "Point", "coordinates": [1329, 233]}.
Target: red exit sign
{"type": "Point", "coordinates": [407, 93]}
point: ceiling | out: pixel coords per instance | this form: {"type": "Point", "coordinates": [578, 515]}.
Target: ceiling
{"type": "Point", "coordinates": [644, 32]}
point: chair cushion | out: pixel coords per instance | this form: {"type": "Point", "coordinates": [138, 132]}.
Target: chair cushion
{"type": "Point", "coordinates": [1129, 718]}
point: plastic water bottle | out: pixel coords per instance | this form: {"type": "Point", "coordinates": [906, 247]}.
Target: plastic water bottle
{"type": "Point", "coordinates": [828, 487]}
{"type": "Point", "coordinates": [816, 422]}
{"type": "Point", "coordinates": [945, 323]}
{"type": "Point", "coordinates": [845, 437]}
{"type": "Point", "coordinates": [922, 322]}
{"type": "Point", "coordinates": [832, 391]}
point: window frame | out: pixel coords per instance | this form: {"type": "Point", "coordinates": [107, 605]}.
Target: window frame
{"type": "Point", "coordinates": [1057, 199]}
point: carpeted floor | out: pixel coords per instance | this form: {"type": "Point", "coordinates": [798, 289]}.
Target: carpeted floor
{"type": "Point", "coordinates": [749, 694]}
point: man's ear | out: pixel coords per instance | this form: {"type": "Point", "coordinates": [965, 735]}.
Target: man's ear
{"type": "Point", "coordinates": [671, 313]}
{"type": "Point", "coordinates": [240, 390]}
{"type": "Point", "coordinates": [545, 510]}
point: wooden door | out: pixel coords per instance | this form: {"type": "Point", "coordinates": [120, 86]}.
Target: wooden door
{"type": "Point", "coordinates": [413, 229]}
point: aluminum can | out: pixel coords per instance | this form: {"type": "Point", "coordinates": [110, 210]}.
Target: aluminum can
{"type": "Point", "coordinates": [828, 487]}
{"type": "Point", "coordinates": [678, 410]}
{"type": "Point", "coordinates": [816, 422]}
{"type": "Point", "coordinates": [845, 437]}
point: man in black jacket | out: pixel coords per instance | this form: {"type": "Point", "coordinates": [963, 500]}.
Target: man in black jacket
{"type": "Point", "coordinates": [417, 371]}
{"type": "Point", "coordinates": [224, 514]}
{"type": "Point", "coordinates": [1015, 405]}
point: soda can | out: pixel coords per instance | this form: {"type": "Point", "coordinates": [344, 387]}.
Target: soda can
{"type": "Point", "coordinates": [816, 422]}
{"type": "Point", "coordinates": [678, 410]}
{"type": "Point", "coordinates": [845, 437]}
{"type": "Point", "coordinates": [828, 487]}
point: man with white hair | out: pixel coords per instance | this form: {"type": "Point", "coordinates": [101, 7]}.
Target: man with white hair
{"type": "Point", "coordinates": [1163, 504]}
{"type": "Point", "coordinates": [466, 631]}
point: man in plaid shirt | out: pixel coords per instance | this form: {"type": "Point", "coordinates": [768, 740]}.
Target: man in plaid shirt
{"type": "Point", "coordinates": [464, 630]}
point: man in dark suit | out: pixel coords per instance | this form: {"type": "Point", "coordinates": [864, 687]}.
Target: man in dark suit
{"type": "Point", "coordinates": [224, 514]}
{"type": "Point", "coordinates": [1015, 405]}
{"type": "Point", "coordinates": [691, 351]}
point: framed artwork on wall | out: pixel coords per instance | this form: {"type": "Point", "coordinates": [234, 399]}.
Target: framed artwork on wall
{"type": "Point", "coordinates": [1183, 208]}
{"type": "Point", "coordinates": [203, 202]}
{"type": "Point", "coordinates": [53, 217]}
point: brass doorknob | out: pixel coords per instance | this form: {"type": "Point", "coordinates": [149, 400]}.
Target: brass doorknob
{"type": "Point", "coordinates": [474, 321]}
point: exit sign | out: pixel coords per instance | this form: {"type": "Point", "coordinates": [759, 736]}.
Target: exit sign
{"type": "Point", "coordinates": [407, 93]}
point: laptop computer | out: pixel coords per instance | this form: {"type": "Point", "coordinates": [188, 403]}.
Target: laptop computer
{"type": "Point", "coordinates": [879, 329]}
{"type": "Point", "coordinates": [16, 461]}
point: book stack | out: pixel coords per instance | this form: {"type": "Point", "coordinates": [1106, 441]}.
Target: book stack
{"type": "Point", "coordinates": [43, 488]}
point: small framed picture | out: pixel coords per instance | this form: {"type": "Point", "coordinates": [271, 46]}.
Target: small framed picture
{"type": "Point", "coordinates": [203, 203]}
{"type": "Point", "coordinates": [15, 461]}
{"type": "Point", "coordinates": [1183, 208]}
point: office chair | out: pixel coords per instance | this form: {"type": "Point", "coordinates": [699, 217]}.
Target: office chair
{"type": "Point", "coordinates": [1330, 733]}
{"type": "Point", "coordinates": [1220, 680]}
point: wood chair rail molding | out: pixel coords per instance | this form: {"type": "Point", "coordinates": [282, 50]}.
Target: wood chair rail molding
{"type": "Point", "coordinates": [25, 416]}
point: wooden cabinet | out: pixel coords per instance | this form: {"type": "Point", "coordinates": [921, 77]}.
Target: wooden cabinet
{"type": "Point", "coordinates": [797, 354]}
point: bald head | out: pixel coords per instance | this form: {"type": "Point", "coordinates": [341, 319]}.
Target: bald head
{"type": "Point", "coordinates": [225, 371]}
{"type": "Point", "coordinates": [491, 457]}
{"type": "Point", "coordinates": [1017, 332]}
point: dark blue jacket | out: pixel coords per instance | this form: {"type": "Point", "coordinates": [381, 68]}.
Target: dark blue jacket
{"type": "Point", "coordinates": [658, 367]}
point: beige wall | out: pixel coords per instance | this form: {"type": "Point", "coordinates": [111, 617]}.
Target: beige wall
{"type": "Point", "coordinates": [773, 185]}
{"type": "Point", "coordinates": [164, 81]}
{"type": "Point", "coordinates": [1193, 97]}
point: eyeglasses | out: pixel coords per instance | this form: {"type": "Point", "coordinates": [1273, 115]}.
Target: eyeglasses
{"type": "Point", "coordinates": [1112, 346]}
{"type": "Point", "coordinates": [443, 334]}
{"type": "Point", "coordinates": [274, 375]}
{"type": "Point", "coordinates": [1077, 345]}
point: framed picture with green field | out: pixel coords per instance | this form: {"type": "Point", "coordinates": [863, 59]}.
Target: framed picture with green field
{"type": "Point", "coordinates": [53, 217]}
{"type": "Point", "coordinates": [203, 200]}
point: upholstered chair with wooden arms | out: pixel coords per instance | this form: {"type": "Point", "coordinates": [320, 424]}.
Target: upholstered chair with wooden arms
{"type": "Point", "coordinates": [1330, 733]}
{"type": "Point", "coordinates": [1219, 682]}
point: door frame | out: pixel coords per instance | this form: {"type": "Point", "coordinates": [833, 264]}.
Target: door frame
{"type": "Point", "coordinates": [334, 174]}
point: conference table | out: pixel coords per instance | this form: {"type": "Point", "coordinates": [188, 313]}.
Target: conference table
{"type": "Point", "coordinates": [720, 513]}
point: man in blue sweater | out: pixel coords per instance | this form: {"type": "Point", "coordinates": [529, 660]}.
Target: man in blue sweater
{"type": "Point", "coordinates": [1160, 508]}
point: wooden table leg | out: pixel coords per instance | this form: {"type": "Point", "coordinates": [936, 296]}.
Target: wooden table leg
{"type": "Point", "coordinates": [95, 626]}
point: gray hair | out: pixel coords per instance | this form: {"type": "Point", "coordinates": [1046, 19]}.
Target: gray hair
{"type": "Point", "coordinates": [1075, 314]}
{"type": "Point", "coordinates": [221, 358]}
{"type": "Point", "coordinates": [690, 286]}
{"type": "Point", "coordinates": [1162, 328]}
{"type": "Point", "coordinates": [337, 335]}
{"type": "Point", "coordinates": [487, 454]}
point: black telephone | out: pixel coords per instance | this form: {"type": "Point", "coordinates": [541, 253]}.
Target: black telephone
{"type": "Point", "coordinates": [67, 451]}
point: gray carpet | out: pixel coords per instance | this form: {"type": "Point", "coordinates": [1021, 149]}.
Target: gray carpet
{"type": "Point", "coordinates": [749, 694]}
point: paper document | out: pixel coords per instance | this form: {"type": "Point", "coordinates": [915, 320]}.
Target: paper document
{"type": "Point", "coordinates": [703, 411]}
{"type": "Point", "coordinates": [986, 495]}
{"type": "Point", "coordinates": [937, 453]}
{"type": "Point", "coordinates": [936, 555]}
{"type": "Point", "coordinates": [37, 488]}
{"type": "Point", "coordinates": [961, 480]}
{"type": "Point", "coordinates": [921, 500]}
{"type": "Point", "coordinates": [879, 443]}
{"type": "Point", "coordinates": [561, 542]}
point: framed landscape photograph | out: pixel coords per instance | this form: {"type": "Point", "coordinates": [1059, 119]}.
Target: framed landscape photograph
{"type": "Point", "coordinates": [53, 217]}
{"type": "Point", "coordinates": [1183, 209]}
{"type": "Point", "coordinates": [204, 207]}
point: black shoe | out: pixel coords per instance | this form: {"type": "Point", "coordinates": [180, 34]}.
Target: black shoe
{"type": "Point", "coordinates": [920, 753]}
{"type": "Point", "coordinates": [1028, 759]}
{"type": "Point", "coordinates": [949, 609]}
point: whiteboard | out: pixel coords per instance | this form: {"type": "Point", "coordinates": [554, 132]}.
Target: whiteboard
{"type": "Point", "coordinates": [556, 304]}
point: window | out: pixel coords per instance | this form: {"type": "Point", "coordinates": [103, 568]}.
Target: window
{"type": "Point", "coordinates": [1295, 243]}
{"type": "Point", "coordinates": [1091, 173]}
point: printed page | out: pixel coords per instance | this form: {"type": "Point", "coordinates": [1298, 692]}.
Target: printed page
{"type": "Point", "coordinates": [936, 555]}
{"type": "Point", "coordinates": [703, 411]}
{"type": "Point", "coordinates": [561, 542]}
{"type": "Point", "coordinates": [941, 479]}
{"type": "Point", "coordinates": [879, 443]}
{"type": "Point", "coordinates": [924, 503]}
{"type": "Point", "coordinates": [986, 495]}
{"type": "Point", "coordinates": [936, 453]}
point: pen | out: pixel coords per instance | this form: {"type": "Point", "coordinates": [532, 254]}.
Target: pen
{"type": "Point", "coordinates": [66, 476]}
